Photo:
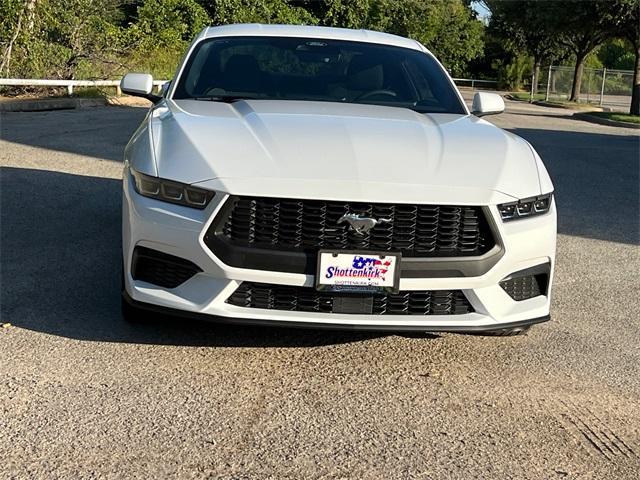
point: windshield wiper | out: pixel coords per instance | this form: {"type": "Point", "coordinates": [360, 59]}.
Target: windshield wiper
{"type": "Point", "coordinates": [225, 98]}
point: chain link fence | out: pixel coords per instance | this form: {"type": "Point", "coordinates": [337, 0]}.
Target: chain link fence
{"type": "Point", "coordinates": [602, 86]}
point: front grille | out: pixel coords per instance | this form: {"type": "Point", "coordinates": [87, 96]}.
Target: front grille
{"type": "Point", "coordinates": [308, 299]}
{"type": "Point", "coordinates": [285, 234]}
{"type": "Point", "coordinates": [161, 268]}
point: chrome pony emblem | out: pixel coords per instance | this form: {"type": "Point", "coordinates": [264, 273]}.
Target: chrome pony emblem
{"type": "Point", "coordinates": [361, 224]}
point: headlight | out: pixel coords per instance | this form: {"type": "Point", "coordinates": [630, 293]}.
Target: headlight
{"type": "Point", "coordinates": [525, 208]}
{"type": "Point", "coordinates": [170, 191]}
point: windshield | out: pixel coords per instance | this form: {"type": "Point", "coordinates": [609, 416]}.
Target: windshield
{"type": "Point", "coordinates": [286, 68]}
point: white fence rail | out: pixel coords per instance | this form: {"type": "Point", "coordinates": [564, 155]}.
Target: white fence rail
{"type": "Point", "coordinates": [71, 84]}
{"type": "Point", "coordinates": [465, 82]}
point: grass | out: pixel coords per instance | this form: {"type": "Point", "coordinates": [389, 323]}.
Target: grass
{"type": "Point", "coordinates": [617, 116]}
{"type": "Point", "coordinates": [94, 92]}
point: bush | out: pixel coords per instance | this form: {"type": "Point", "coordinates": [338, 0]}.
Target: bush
{"type": "Point", "coordinates": [511, 75]}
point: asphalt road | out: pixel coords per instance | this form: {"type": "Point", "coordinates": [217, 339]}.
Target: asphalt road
{"type": "Point", "coordinates": [84, 395]}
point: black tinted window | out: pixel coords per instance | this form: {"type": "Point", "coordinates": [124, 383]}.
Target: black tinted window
{"type": "Point", "coordinates": [313, 69]}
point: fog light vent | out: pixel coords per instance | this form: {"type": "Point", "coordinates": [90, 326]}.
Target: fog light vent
{"type": "Point", "coordinates": [161, 268]}
{"type": "Point", "coordinates": [528, 283]}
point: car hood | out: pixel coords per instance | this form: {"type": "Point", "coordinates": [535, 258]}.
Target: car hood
{"type": "Point", "coordinates": [302, 149]}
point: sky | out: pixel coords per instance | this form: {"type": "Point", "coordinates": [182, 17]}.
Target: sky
{"type": "Point", "coordinates": [479, 7]}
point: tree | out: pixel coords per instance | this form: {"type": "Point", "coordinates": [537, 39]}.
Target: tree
{"type": "Point", "coordinates": [446, 27]}
{"type": "Point", "coordinates": [527, 25]}
{"type": "Point", "coordinates": [581, 27]}
{"type": "Point", "coordinates": [161, 33]}
{"type": "Point", "coordinates": [80, 36]}
{"type": "Point", "coordinates": [257, 11]}
{"type": "Point", "coordinates": [16, 19]}
{"type": "Point", "coordinates": [103, 38]}
{"type": "Point", "coordinates": [453, 33]}
{"type": "Point", "coordinates": [617, 54]}
{"type": "Point", "coordinates": [346, 13]}
{"type": "Point", "coordinates": [51, 38]}
{"type": "Point", "coordinates": [629, 28]}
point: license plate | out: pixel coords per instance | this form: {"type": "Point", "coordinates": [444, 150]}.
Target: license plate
{"type": "Point", "coordinates": [357, 271]}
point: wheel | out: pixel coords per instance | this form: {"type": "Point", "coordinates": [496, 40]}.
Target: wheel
{"type": "Point", "coordinates": [508, 332]}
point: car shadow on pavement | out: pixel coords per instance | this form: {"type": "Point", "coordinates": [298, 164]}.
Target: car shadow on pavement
{"type": "Point", "coordinates": [596, 180]}
{"type": "Point", "coordinates": [60, 265]}
{"type": "Point", "coordinates": [60, 242]}
{"type": "Point", "coordinates": [100, 133]}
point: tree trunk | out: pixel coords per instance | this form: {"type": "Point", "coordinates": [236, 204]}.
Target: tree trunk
{"type": "Point", "coordinates": [577, 77]}
{"type": "Point", "coordinates": [6, 56]}
{"type": "Point", "coordinates": [536, 74]}
{"type": "Point", "coordinates": [635, 92]}
{"type": "Point", "coordinates": [30, 8]}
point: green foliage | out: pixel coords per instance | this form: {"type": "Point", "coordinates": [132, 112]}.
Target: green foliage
{"type": "Point", "coordinates": [105, 38]}
{"type": "Point", "coordinates": [257, 11]}
{"type": "Point", "coordinates": [164, 23]}
{"type": "Point", "coordinates": [61, 39]}
{"type": "Point", "coordinates": [161, 34]}
{"type": "Point", "coordinates": [510, 74]}
{"type": "Point", "coordinates": [582, 26]}
{"type": "Point", "coordinates": [527, 26]}
{"type": "Point", "coordinates": [545, 29]}
{"type": "Point", "coordinates": [9, 13]}
{"type": "Point", "coordinates": [446, 27]}
{"type": "Point", "coordinates": [593, 61]}
{"type": "Point", "coordinates": [347, 13]}
{"type": "Point", "coordinates": [453, 34]}
{"type": "Point", "coordinates": [617, 54]}
{"type": "Point", "coordinates": [618, 117]}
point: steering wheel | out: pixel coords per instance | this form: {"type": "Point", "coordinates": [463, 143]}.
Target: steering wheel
{"type": "Point", "coordinates": [389, 93]}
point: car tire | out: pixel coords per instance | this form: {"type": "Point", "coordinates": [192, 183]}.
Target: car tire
{"type": "Point", "coordinates": [509, 332]}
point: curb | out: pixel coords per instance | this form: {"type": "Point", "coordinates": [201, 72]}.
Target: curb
{"type": "Point", "coordinates": [542, 103]}
{"type": "Point", "coordinates": [509, 96]}
{"type": "Point", "coordinates": [47, 104]}
{"type": "Point", "coordinates": [605, 121]}
{"type": "Point", "coordinates": [40, 105]}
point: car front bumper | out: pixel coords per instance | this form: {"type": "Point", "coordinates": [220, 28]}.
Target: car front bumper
{"type": "Point", "coordinates": [179, 231]}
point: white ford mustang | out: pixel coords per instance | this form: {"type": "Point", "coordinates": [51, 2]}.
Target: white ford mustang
{"type": "Point", "coordinates": [324, 177]}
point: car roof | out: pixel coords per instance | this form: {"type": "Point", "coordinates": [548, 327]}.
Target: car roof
{"type": "Point", "coordinates": [305, 31]}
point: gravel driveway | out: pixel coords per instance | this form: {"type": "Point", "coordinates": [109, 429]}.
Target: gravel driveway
{"type": "Point", "coordinates": [84, 395]}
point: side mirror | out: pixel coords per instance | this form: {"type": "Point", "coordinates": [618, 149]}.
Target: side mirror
{"type": "Point", "coordinates": [487, 104]}
{"type": "Point", "coordinates": [139, 85]}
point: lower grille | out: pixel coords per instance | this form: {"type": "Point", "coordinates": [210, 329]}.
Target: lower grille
{"type": "Point", "coordinates": [522, 288]}
{"type": "Point", "coordinates": [307, 299]}
{"type": "Point", "coordinates": [528, 283]}
{"type": "Point", "coordinates": [161, 268]}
